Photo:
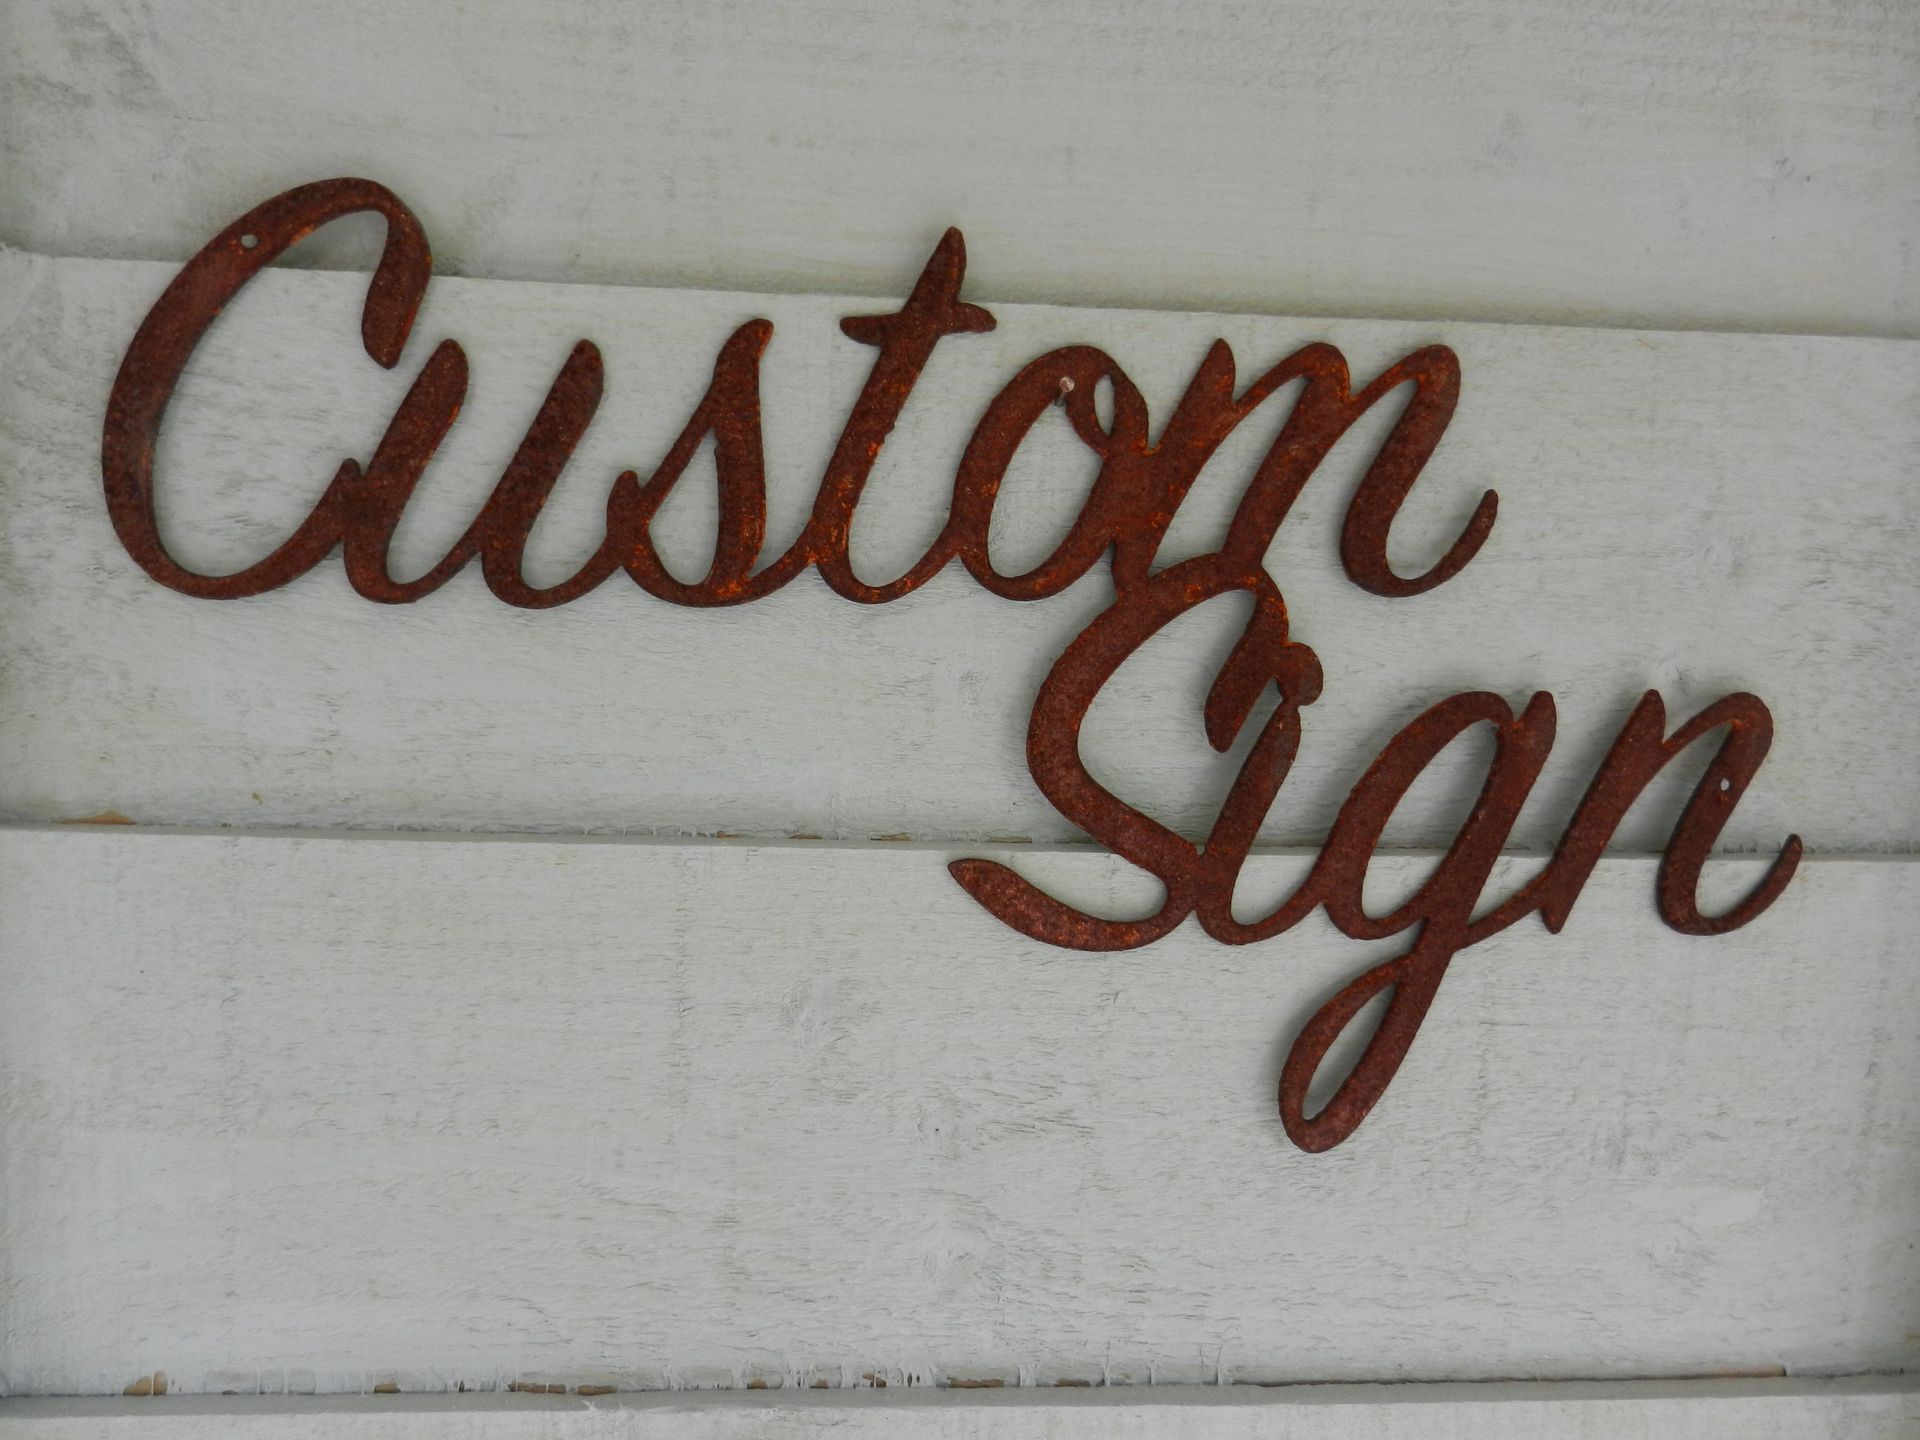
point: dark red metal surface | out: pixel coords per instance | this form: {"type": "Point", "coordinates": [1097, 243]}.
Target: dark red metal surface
{"type": "Point", "coordinates": [1140, 485]}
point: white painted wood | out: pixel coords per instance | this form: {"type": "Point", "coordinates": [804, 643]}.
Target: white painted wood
{"type": "Point", "coordinates": [1697, 513]}
{"type": "Point", "coordinates": [298, 1115]}
{"type": "Point", "coordinates": [1621, 161]}
{"type": "Point", "coordinates": [316, 1114]}
{"type": "Point", "coordinates": [1877, 1408]}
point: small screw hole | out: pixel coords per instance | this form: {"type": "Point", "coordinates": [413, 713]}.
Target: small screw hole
{"type": "Point", "coordinates": [249, 241]}
{"type": "Point", "coordinates": [1726, 784]}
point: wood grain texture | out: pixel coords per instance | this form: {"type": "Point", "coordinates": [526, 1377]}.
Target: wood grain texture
{"type": "Point", "coordinates": [1694, 513]}
{"type": "Point", "coordinates": [1625, 162]}
{"type": "Point", "coordinates": [296, 1115]}
{"type": "Point", "coordinates": [1875, 1409]}
{"type": "Point", "coordinates": [317, 1114]}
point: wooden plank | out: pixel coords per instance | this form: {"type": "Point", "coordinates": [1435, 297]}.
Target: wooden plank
{"type": "Point", "coordinates": [1697, 513]}
{"type": "Point", "coordinates": [1633, 162]}
{"type": "Point", "coordinates": [324, 1113]}
{"type": "Point", "coordinates": [1878, 1408]}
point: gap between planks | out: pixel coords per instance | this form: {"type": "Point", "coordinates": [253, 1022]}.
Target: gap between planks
{"type": "Point", "coordinates": [982, 294]}
{"type": "Point", "coordinates": [1868, 1407]}
{"type": "Point", "coordinates": [112, 822]}
{"type": "Point", "coordinates": [1150, 302]}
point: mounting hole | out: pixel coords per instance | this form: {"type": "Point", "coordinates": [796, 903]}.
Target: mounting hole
{"type": "Point", "coordinates": [249, 241]}
{"type": "Point", "coordinates": [1726, 785]}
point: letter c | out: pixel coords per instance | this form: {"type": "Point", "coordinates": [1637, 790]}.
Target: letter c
{"type": "Point", "coordinates": [166, 340]}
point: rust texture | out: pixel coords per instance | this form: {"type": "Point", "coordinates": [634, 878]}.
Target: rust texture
{"type": "Point", "coordinates": [1140, 484]}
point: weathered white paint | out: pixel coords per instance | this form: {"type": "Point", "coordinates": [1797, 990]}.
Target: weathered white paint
{"type": "Point", "coordinates": [1869, 1409]}
{"type": "Point", "coordinates": [276, 1149]}
{"type": "Point", "coordinates": [1696, 513]}
{"type": "Point", "coordinates": [1612, 161]}
{"type": "Point", "coordinates": [310, 1114]}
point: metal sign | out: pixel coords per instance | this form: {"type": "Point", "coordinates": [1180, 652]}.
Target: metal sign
{"type": "Point", "coordinates": [1141, 483]}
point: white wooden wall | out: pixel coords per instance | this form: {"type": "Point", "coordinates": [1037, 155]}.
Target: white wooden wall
{"type": "Point", "coordinates": [597, 1080]}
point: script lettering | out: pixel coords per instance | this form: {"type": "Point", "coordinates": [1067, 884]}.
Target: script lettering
{"type": "Point", "coordinates": [1139, 488]}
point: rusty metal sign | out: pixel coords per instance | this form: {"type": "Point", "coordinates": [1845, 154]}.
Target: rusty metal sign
{"type": "Point", "coordinates": [1140, 485]}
